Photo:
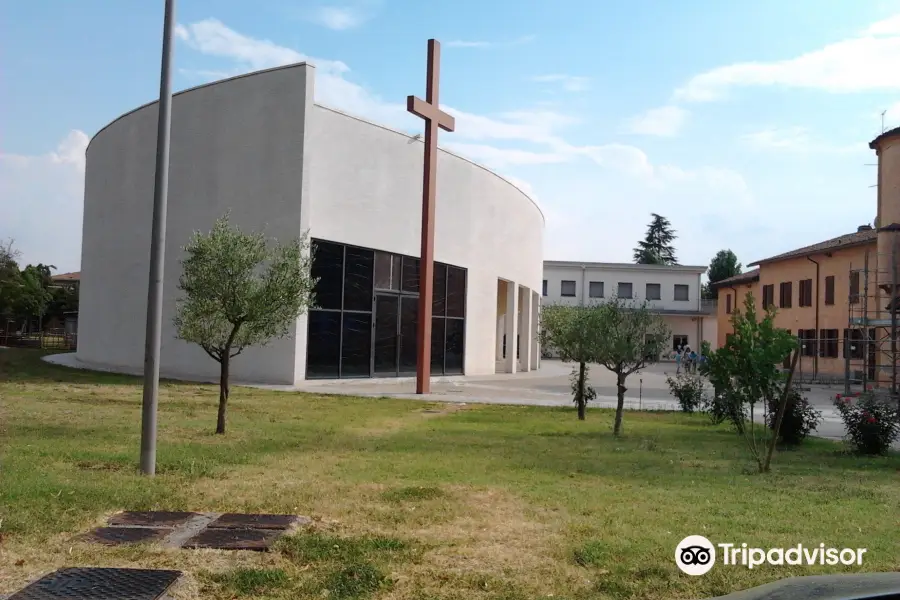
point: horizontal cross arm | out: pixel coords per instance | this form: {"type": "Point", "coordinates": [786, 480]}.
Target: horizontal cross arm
{"type": "Point", "coordinates": [427, 111]}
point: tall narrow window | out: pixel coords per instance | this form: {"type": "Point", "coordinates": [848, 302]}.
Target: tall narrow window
{"type": "Point", "coordinates": [854, 287]}
{"type": "Point", "coordinates": [785, 292]}
{"type": "Point", "coordinates": [829, 290]}
{"type": "Point", "coordinates": [727, 304]}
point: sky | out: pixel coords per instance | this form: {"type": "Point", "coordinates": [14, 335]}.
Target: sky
{"type": "Point", "coordinates": [746, 123]}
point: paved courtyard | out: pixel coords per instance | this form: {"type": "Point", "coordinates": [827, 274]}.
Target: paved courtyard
{"type": "Point", "coordinates": [549, 386]}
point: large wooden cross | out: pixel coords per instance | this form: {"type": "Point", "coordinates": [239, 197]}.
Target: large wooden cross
{"type": "Point", "coordinates": [430, 110]}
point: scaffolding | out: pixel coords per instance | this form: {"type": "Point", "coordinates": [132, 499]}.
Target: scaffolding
{"type": "Point", "coordinates": [870, 341]}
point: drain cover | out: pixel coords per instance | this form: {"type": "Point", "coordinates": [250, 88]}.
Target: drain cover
{"type": "Point", "coordinates": [233, 539]}
{"type": "Point", "coordinates": [113, 536]}
{"type": "Point", "coordinates": [252, 521]}
{"type": "Point", "coordinates": [151, 518]}
{"type": "Point", "coordinates": [99, 584]}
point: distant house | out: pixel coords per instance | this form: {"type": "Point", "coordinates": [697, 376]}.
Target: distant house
{"type": "Point", "coordinates": [671, 291]}
{"type": "Point", "coordinates": [72, 279]}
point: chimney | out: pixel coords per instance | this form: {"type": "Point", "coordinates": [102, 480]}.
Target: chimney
{"type": "Point", "coordinates": [863, 228]}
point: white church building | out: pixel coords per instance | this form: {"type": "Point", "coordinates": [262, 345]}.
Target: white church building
{"type": "Point", "coordinates": [260, 147]}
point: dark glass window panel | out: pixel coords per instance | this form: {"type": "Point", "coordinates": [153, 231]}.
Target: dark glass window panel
{"type": "Point", "coordinates": [396, 271]}
{"type": "Point", "coordinates": [409, 323]}
{"type": "Point", "coordinates": [358, 279]}
{"type": "Point", "coordinates": [356, 345]}
{"type": "Point", "coordinates": [439, 302]}
{"type": "Point", "coordinates": [387, 309]}
{"type": "Point", "coordinates": [328, 268]}
{"type": "Point", "coordinates": [456, 292]}
{"type": "Point", "coordinates": [410, 274]}
{"type": "Point", "coordinates": [383, 275]}
{"type": "Point", "coordinates": [323, 347]}
{"type": "Point", "coordinates": [453, 354]}
{"type": "Point", "coordinates": [437, 345]}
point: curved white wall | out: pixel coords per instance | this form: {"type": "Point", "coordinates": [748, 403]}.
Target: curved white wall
{"type": "Point", "coordinates": [236, 145]}
{"type": "Point", "coordinates": [256, 145]}
{"type": "Point", "coordinates": [366, 189]}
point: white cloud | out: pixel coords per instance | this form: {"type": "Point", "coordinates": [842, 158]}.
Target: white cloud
{"type": "Point", "coordinates": [212, 37]}
{"type": "Point", "coordinates": [570, 83]}
{"type": "Point", "coordinates": [865, 63]}
{"type": "Point", "coordinates": [664, 121]}
{"type": "Point", "coordinates": [795, 139]}
{"type": "Point", "coordinates": [339, 18]}
{"type": "Point", "coordinates": [45, 194]}
{"type": "Point", "coordinates": [525, 39]}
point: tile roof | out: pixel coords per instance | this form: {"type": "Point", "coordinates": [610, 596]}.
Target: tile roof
{"type": "Point", "coordinates": [73, 276]}
{"type": "Point", "coordinates": [857, 238]}
{"type": "Point", "coordinates": [747, 277]}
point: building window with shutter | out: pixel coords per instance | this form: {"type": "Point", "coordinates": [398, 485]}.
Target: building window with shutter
{"type": "Point", "coordinates": [727, 304]}
{"type": "Point", "coordinates": [595, 289]}
{"type": "Point", "coordinates": [654, 291]}
{"type": "Point", "coordinates": [805, 292]}
{"type": "Point", "coordinates": [567, 289]}
{"type": "Point", "coordinates": [828, 343]}
{"type": "Point", "coordinates": [768, 296]}
{"type": "Point", "coordinates": [785, 292]}
{"type": "Point", "coordinates": [829, 290]}
{"type": "Point", "coordinates": [854, 287]}
{"type": "Point", "coordinates": [682, 292]}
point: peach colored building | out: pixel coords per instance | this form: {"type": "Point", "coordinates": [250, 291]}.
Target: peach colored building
{"type": "Point", "coordinates": [816, 293]}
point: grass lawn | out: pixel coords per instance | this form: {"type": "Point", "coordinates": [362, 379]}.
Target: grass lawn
{"type": "Point", "coordinates": [467, 502]}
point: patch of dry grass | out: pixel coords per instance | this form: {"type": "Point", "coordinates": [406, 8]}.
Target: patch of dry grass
{"type": "Point", "coordinates": [484, 502]}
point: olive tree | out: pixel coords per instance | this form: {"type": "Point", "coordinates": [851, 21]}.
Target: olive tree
{"type": "Point", "coordinates": [632, 336]}
{"type": "Point", "coordinates": [746, 371]}
{"type": "Point", "coordinates": [240, 290]}
{"type": "Point", "coordinates": [572, 332]}
{"type": "Point", "coordinates": [622, 336]}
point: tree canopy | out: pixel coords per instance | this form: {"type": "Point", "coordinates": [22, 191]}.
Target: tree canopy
{"type": "Point", "coordinates": [240, 290]}
{"type": "Point", "coordinates": [621, 335]}
{"type": "Point", "coordinates": [723, 265]}
{"type": "Point", "coordinates": [657, 246]}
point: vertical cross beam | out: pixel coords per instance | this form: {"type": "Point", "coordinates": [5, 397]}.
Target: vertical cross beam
{"type": "Point", "coordinates": [430, 111]}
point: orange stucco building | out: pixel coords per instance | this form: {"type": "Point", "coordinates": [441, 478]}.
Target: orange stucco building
{"type": "Point", "coordinates": [840, 297]}
{"type": "Point", "coordinates": [815, 290]}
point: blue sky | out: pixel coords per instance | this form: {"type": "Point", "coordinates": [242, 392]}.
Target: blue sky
{"type": "Point", "coordinates": [746, 123]}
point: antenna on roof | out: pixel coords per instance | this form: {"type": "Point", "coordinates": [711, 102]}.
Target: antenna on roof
{"type": "Point", "coordinates": [882, 120]}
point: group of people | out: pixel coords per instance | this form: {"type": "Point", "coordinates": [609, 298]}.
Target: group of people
{"type": "Point", "coordinates": [686, 357]}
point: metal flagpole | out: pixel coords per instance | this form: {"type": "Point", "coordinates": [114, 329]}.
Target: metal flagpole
{"type": "Point", "coordinates": [157, 253]}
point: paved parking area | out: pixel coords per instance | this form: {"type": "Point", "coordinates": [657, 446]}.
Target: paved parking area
{"type": "Point", "coordinates": [549, 386]}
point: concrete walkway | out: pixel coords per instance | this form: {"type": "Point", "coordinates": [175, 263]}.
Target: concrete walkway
{"type": "Point", "coordinates": [548, 386]}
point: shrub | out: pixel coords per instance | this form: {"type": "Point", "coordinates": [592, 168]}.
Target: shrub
{"type": "Point", "coordinates": [870, 421]}
{"type": "Point", "coordinates": [688, 390]}
{"type": "Point", "coordinates": [800, 417]}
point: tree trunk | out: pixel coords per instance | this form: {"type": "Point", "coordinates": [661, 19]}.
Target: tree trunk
{"type": "Point", "coordinates": [620, 404]}
{"type": "Point", "coordinates": [579, 398]}
{"type": "Point", "coordinates": [223, 392]}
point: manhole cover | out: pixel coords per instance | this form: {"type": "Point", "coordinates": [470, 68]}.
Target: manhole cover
{"type": "Point", "coordinates": [113, 536]}
{"type": "Point", "coordinates": [99, 584]}
{"type": "Point", "coordinates": [253, 521]}
{"type": "Point", "coordinates": [233, 539]}
{"type": "Point", "coordinates": [151, 518]}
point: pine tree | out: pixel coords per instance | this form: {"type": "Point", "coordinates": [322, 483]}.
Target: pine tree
{"type": "Point", "coordinates": [656, 247]}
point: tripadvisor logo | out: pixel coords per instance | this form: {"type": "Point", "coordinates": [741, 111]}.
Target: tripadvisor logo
{"type": "Point", "coordinates": [696, 555]}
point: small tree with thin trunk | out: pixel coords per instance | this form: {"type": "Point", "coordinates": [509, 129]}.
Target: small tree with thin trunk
{"type": "Point", "coordinates": [746, 371]}
{"type": "Point", "coordinates": [632, 336]}
{"type": "Point", "coordinates": [240, 290]}
{"type": "Point", "coordinates": [572, 332]}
